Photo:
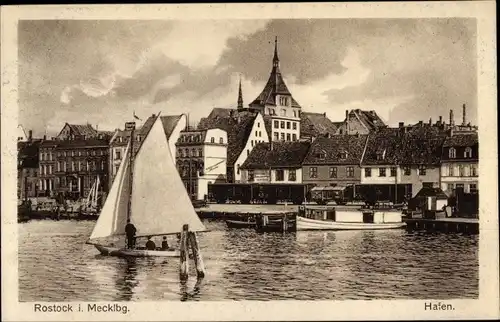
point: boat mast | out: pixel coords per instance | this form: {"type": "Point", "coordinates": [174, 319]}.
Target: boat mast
{"type": "Point", "coordinates": [131, 127]}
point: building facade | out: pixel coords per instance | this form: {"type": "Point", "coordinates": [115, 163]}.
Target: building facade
{"type": "Point", "coordinates": [47, 168]}
{"type": "Point", "coordinates": [201, 159]}
{"type": "Point", "coordinates": [275, 162]}
{"type": "Point", "coordinates": [27, 169]}
{"type": "Point", "coordinates": [460, 163]}
{"type": "Point", "coordinates": [334, 161]}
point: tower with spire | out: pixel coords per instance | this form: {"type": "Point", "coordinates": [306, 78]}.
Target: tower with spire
{"type": "Point", "coordinates": [277, 103]}
{"type": "Point", "coordinates": [240, 98]}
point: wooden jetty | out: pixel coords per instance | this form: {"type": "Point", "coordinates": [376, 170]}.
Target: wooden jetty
{"type": "Point", "coordinates": [446, 225]}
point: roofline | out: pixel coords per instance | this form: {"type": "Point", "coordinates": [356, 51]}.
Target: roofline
{"type": "Point", "coordinates": [364, 150]}
{"type": "Point", "coordinates": [357, 116]}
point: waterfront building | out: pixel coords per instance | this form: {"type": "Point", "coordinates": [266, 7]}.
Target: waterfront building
{"type": "Point", "coordinates": [360, 122]}
{"type": "Point", "coordinates": [27, 168]}
{"type": "Point", "coordinates": [380, 169]}
{"type": "Point", "coordinates": [277, 104]}
{"type": "Point", "coordinates": [420, 155]}
{"type": "Point", "coordinates": [334, 161]}
{"type": "Point", "coordinates": [313, 125]}
{"type": "Point", "coordinates": [46, 170]}
{"type": "Point", "coordinates": [459, 163]}
{"type": "Point", "coordinates": [77, 164]}
{"type": "Point", "coordinates": [172, 125]}
{"type": "Point", "coordinates": [201, 159]}
{"type": "Point", "coordinates": [275, 162]}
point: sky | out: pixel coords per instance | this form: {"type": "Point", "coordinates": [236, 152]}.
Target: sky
{"type": "Point", "coordinates": [101, 71]}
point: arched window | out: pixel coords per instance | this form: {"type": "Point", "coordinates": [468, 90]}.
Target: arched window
{"type": "Point", "coordinates": [452, 153]}
{"type": "Point", "coordinates": [283, 112]}
{"type": "Point", "coordinates": [468, 153]}
{"type": "Point", "coordinates": [193, 152]}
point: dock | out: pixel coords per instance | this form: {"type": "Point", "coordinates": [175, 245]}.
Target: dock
{"type": "Point", "coordinates": [445, 225]}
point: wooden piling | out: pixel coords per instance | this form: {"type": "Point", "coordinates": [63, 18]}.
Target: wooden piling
{"type": "Point", "coordinates": [285, 223]}
{"type": "Point", "coordinates": [198, 260]}
{"type": "Point", "coordinates": [184, 251]}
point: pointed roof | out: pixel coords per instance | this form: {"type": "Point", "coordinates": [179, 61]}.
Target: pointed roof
{"type": "Point", "coordinates": [169, 123]}
{"type": "Point", "coordinates": [275, 84]}
{"type": "Point", "coordinates": [240, 97]}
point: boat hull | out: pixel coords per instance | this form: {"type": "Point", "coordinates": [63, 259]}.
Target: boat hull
{"type": "Point", "coordinates": [123, 252]}
{"type": "Point", "coordinates": [240, 224]}
{"type": "Point", "coordinates": [312, 224]}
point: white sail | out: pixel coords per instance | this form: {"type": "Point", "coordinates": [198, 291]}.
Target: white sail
{"type": "Point", "coordinates": [95, 193]}
{"type": "Point", "coordinates": [88, 200]}
{"type": "Point", "coordinates": [113, 217]}
{"type": "Point", "coordinates": [160, 203]}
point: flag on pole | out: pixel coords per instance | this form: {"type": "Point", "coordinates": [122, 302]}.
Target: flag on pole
{"type": "Point", "coordinates": [136, 117]}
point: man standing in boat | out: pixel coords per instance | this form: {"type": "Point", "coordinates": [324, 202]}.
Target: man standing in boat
{"type": "Point", "coordinates": [130, 231]}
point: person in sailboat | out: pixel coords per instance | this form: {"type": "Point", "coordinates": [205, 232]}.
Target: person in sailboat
{"type": "Point", "coordinates": [130, 231]}
{"type": "Point", "coordinates": [150, 245]}
{"type": "Point", "coordinates": [164, 243]}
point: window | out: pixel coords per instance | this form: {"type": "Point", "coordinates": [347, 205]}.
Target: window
{"type": "Point", "coordinates": [72, 153]}
{"type": "Point", "coordinates": [282, 136]}
{"type": "Point", "coordinates": [294, 137]}
{"type": "Point", "coordinates": [260, 134]}
{"type": "Point", "coordinates": [451, 171]}
{"type": "Point", "coordinates": [251, 142]}
{"type": "Point", "coordinates": [468, 153]}
{"type": "Point", "coordinates": [343, 155]}
{"type": "Point", "coordinates": [193, 152]}
{"type": "Point", "coordinates": [248, 152]}
{"type": "Point", "coordinates": [313, 172]}
{"type": "Point", "coordinates": [288, 125]}
{"type": "Point", "coordinates": [288, 137]}
{"type": "Point", "coordinates": [459, 186]}
{"type": "Point", "coordinates": [422, 171]}
{"type": "Point", "coordinates": [321, 155]}
{"type": "Point", "coordinates": [212, 140]}
{"type": "Point", "coordinates": [58, 166]}
{"type": "Point", "coordinates": [65, 168]}
{"type": "Point", "coordinates": [251, 176]}
{"type": "Point", "coordinates": [276, 124]}
{"type": "Point", "coordinates": [473, 187]}
{"type": "Point", "coordinates": [292, 175]}
{"type": "Point", "coordinates": [393, 172]}
{"type": "Point", "coordinates": [381, 172]}
{"type": "Point", "coordinates": [283, 111]}
{"type": "Point", "coordinates": [276, 136]}
{"type": "Point", "coordinates": [282, 123]}
{"type": "Point", "coordinates": [368, 172]}
{"type": "Point", "coordinates": [461, 171]}
{"type": "Point", "coordinates": [450, 187]}
{"type": "Point", "coordinates": [427, 184]}
{"type": "Point", "coordinates": [280, 175]}
{"type": "Point", "coordinates": [72, 166]}
{"type": "Point", "coordinates": [200, 152]}
{"type": "Point", "coordinates": [407, 171]}
{"type": "Point", "coordinates": [332, 172]}
{"type": "Point", "coordinates": [473, 171]}
{"type": "Point", "coordinates": [118, 155]}
{"type": "Point", "coordinates": [258, 124]}
{"type": "Point", "coordinates": [256, 133]}
{"type": "Point", "coordinates": [452, 153]}
{"type": "Point", "coordinates": [350, 172]}
{"type": "Point", "coordinates": [294, 125]}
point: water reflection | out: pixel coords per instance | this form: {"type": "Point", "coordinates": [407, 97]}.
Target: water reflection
{"type": "Point", "coordinates": [126, 282]}
{"type": "Point", "coordinates": [185, 295]}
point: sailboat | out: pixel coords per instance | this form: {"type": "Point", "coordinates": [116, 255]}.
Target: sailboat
{"type": "Point", "coordinates": [147, 190]}
{"type": "Point", "coordinates": [90, 203]}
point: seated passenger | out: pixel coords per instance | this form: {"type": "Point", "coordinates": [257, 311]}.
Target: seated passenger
{"type": "Point", "coordinates": [164, 243]}
{"type": "Point", "coordinates": [150, 245]}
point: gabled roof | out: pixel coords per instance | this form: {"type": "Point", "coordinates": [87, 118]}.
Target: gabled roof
{"type": "Point", "coordinates": [421, 146]}
{"type": "Point", "coordinates": [369, 118]}
{"type": "Point", "coordinates": [331, 150]}
{"type": "Point", "coordinates": [461, 140]}
{"type": "Point", "coordinates": [282, 155]}
{"type": "Point", "coordinates": [82, 130]}
{"type": "Point", "coordinates": [237, 137]}
{"type": "Point", "coordinates": [316, 124]}
{"type": "Point", "coordinates": [383, 147]}
{"type": "Point", "coordinates": [169, 123]}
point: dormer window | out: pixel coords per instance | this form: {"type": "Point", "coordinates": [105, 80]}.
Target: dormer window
{"type": "Point", "coordinates": [381, 155]}
{"type": "Point", "coordinates": [321, 155]}
{"type": "Point", "coordinates": [212, 140]}
{"type": "Point", "coordinates": [283, 101]}
{"type": "Point", "coordinates": [283, 112]}
{"type": "Point", "coordinates": [221, 140]}
{"type": "Point", "coordinates": [468, 152]}
{"type": "Point", "coordinates": [452, 153]}
{"type": "Point", "coordinates": [343, 155]}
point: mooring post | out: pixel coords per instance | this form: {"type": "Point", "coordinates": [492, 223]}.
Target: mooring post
{"type": "Point", "coordinates": [285, 223]}
{"type": "Point", "coordinates": [184, 268]}
{"type": "Point", "coordinates": [198, 260]}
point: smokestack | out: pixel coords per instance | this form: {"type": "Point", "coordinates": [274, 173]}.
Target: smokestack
{"type": "Point", "coordinates": [464, 120]}
{"type": "Point", "coordinates": [30, 135]}
{"type": "Point", "coordinates": [452, 120]}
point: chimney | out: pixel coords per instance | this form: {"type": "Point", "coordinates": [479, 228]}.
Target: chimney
{"type": "Point", "coordinates": [30, 135]}
{"type": "Point", "coordinates": [440, 119]}
{"type": "Point", "coordinates": [430, 121]}
{"type": "Point", "coordinates": [346, 114]}
{"type": "Point", "coordinates": [420, 123]}
{"type": "Point", "coordinates": [153, 116]}
{"type": "Point", "coordinates": [464, 120]}
{"type": "Point", "coordinates": [324, 114]}
{"type": "Point", "coordinates": [401, 124]}
{"type": "Point", "coordinates": [452, 121]}
{"type": "Point", "coordinates": [45, 137]}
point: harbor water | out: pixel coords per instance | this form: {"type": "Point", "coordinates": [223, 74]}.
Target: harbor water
{"type": "Point", "coordinates": [55, 264]}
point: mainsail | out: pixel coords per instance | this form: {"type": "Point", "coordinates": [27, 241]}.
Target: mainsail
{"type": "Point", "coordinates": [113, 217]}
{"type": "Point", "coordinates": [160, 203]}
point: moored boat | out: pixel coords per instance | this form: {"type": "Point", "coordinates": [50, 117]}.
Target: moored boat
{"type": "Point", "coordinates": [157, 203]}
{"type": "Point", "coordinates": [355, 219]}
{"type": "Point", "coordinates": [240, 224]}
